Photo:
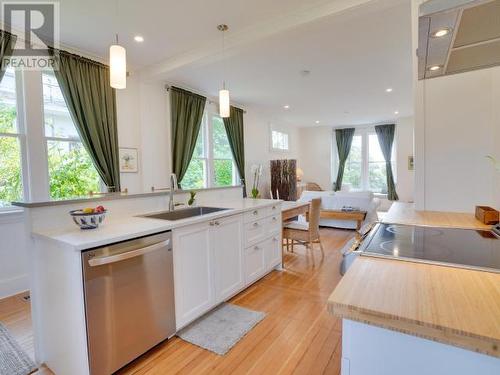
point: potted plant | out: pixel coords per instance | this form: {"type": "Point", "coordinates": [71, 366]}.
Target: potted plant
{"type": "Point", "coordinates": [256, 172]}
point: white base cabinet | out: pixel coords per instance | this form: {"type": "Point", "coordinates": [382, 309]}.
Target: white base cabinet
{"type": "Point", "coordinates": [227, 250]}
{"type": "Point", "coordinates": [193, 280]}
{"type": "Point", "coordinates": [217, 259]}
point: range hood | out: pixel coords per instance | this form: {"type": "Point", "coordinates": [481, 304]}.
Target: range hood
{"type": "Point", "coordinates": [472, 41]}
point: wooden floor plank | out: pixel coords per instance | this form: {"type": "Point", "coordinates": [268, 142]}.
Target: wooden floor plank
{"type": "Point", "coordinates": [297, 336]}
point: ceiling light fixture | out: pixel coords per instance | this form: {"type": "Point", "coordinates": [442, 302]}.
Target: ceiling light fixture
{"type": "Point", "coordinates": [441, 32]}
{"type": "Point", "coordinates": [388, 89]}
{"type": "Point", "coordinates": [317, 121]}
{"type": "Point", "coordinates": [139, 38]}
{"type": "Point", "coordinates": [286, 106]}
{"type": "Point", "coordinates": [224, 101]}
{"type": "Point", "coordinates": [117, 63]}
{"type": "Point", "coordinates": [433, 68]}
{"type": "Point", "coordinates": [396, 112]}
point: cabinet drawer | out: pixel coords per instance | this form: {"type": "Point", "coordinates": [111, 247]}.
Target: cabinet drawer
{"type": "Point", "coordinates": [274, 209]}
{"type": "Point", "coordinates": [256, 231]}
{"type": "Point", "coordinates": [255, 264]}
{"type": "Point", "coordinates": [274, 224]}
{"type": "Point", "coordinates": [255, 214]}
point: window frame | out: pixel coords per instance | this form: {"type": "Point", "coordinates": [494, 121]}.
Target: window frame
{"type": "Point", "coordinates": [20, 135]}
{"type": "Point", "coordinates": [365, 133]}
{"type": "Point", "coordinates": [273, 129]}
{"type": "Point", "coordinates": [47, 139]}
{"type": "Point", "coordinates": [208, 147]}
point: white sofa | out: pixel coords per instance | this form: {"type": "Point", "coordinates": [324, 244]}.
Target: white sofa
{"type": "Point", "coordinates": [331, 200]}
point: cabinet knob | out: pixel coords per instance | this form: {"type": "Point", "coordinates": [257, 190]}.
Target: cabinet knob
{"type": "Point", "coordinates": [256, 248]}
{"type": "Point", "coordinates": [211, 223]}
{"type": "Point", "coordinates": [255, 212]}
{"type": "Point", "coordinates": [255, 224]}
{"type": "Point", "coordinates": [217, 223]}
{"type": "Point", "coordinates": [274, 218]}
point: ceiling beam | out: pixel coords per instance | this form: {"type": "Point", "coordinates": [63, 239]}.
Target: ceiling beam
{"type": "Point", "coordinates": [236, 41]}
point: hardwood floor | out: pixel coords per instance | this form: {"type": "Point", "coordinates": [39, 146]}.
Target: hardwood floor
{"type": "Point", "coordinates": [297, 336]}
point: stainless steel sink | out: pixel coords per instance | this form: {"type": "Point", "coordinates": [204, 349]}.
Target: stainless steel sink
{"type": "Point", "coordinates": [184, 213]}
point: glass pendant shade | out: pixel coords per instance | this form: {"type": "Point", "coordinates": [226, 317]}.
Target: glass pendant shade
{"type": "Point", "coordinates": [224, 103]}
{"type": "Point", "coordinates": [118, 66]}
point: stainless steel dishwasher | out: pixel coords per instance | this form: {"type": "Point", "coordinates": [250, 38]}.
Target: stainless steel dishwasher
{"type": "Point", "coordinates": [129, 300]}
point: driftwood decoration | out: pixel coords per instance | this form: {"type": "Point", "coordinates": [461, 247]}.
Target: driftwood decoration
{"type": "Point", "coordinates": [284, 179]}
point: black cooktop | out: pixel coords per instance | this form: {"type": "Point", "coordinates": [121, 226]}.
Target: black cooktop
{"type": "Point", "coordinates": [465, 248]}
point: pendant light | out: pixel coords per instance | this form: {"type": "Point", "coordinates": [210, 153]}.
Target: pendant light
{"type": "Point", "coordinates": [117, 63]}
{"type": "Point", "coordinates": [224, 105]}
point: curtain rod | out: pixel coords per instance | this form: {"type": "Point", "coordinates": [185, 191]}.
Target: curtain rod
{"type": "Point", "coordinates": [210, 101]}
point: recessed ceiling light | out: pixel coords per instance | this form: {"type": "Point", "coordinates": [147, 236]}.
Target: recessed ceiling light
{"type": "Point", "coordinates": [396, 112]}
{"type": "Point", "coordinates": [139, 38]}
{"type": "Point", "coordinates": [433, 68]}
{"type": "Point", "coordinates": [441, 32]}
{"type": "Point", "coordinates": [317, 121]}
{"type": "Point", "coordinates": [388, 89]}
{"type": "Point", "coordinates": [286, 106]}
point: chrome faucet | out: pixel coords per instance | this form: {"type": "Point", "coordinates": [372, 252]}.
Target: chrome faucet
{"type": "Point", "coordinates": [173, 188]}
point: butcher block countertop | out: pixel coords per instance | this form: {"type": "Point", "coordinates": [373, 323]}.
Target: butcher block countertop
{"type": "Point", "coordinates": [454, 306]}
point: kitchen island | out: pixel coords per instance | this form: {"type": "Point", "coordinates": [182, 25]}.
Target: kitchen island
{"type": "Point", "coordinates": [215, 256]}
{"type": "Point", "coordinates": [415, 318]}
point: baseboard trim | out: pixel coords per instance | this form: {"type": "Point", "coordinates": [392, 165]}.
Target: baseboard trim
{"type": "Point", "coordinates": [16, 285]}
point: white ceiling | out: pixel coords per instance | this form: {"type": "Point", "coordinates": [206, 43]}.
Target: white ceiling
{"type": "Point", "coordinates": [353, 55]}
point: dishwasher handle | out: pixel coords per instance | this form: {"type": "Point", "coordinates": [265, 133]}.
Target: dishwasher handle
{"type": "Point", "coordinates": [100, 261]}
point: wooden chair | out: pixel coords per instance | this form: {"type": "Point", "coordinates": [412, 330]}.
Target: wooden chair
{"type": "Point", "coordinates": [305, 233]}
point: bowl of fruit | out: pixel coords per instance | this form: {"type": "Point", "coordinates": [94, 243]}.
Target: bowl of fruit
{"type": "Point", "coordinates": [89, 218]}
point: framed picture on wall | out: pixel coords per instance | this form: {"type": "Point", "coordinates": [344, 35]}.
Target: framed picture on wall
{"type": "Point", "coordinates": [128, 160]}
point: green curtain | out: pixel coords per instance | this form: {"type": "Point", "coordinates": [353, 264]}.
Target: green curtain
{"type": "Point", "coordinates": [186, 110]}
{"type": "Point", "coordinates": [7, 43]}
{"type": "Point", "coordinates": [385, 135]}
{"type": "Point", "coordinates": [344, 141]}
{"type": "Point", "coordinates": [92, 104]}
{"type": "Point", "coordinates": [234, 130]}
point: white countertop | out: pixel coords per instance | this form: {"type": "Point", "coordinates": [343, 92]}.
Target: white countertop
{"type": "Point", "coordinates": [116, 229]}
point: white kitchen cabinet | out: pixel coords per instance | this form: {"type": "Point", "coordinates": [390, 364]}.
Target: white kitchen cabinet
{"type": "Point", "coordinates": [218, 258]}
{"type": "Point", "coordinates": [227, 249]}
{"type": "Point", "coordinates": [272, 251]}
{"type": "Point", "coordinates": [255, 265]}
{"type": "Point", "coordinates": [193, 280]}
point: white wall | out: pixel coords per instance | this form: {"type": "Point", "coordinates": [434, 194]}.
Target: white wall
{"type": "Point", "coordinates": [258, 147]}
{"type": "Point", "coordinates": [13, 255]}
{"type": "Point", "coordinates": [316, 155]}
{"type": "Point", "coordinates": [404, 149]}
{"type": "Point", "coordinates": [460, 126]}
{"type": "Point", "coordinates": [129, 130]}
{"type": "Point", "coordinates": [155, 133]}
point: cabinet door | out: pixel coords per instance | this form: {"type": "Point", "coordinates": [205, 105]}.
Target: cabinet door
{"type": "Point", "coordinates": [194, 291]}
{"type": "Point", "coordinates": [227, 249]}
{"type": "Point", "coordinates": [254, 262]}
{"type": "Point", "coordinates": [272, 251]}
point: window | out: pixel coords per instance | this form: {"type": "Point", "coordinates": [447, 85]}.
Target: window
{"type": "Point", "coordinates": [212, 164]}
{"type": "Point", "coordinates": [11, 137]}
{"type": "Point", "coordinates": [71, 171]}
{"type": "Point", "coordinates": [354, 164]}
{"type": "Point", "coordinates": [279, 140]}
{"type": "Point", "coordinates": [365, 166]}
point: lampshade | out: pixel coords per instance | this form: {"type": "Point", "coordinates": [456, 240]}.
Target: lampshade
{"type": "Point", "coordinates": [300, 174]}
{"type": "Point", "coordinates": [224, 103]}
{"type": "Point", "coordinates": [118, 66]}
